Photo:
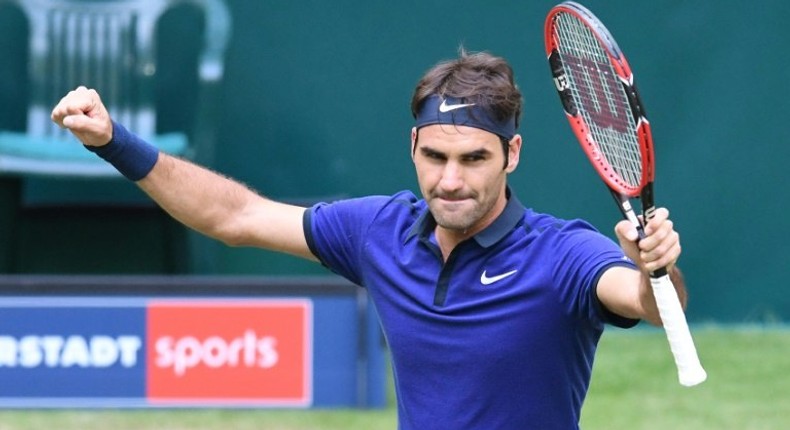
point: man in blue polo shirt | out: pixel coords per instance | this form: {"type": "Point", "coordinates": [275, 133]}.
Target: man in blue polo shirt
{"type": "Point", "coordinates": [492, 311]}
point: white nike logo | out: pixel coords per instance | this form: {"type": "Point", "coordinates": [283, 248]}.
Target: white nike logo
{"type": "Point", "coordinates": [444, 107]}
{"type": "Point", "coordinates": [485, 280]}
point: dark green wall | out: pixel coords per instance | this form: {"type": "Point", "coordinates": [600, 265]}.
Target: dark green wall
{"type": "Point", "coordinates": [316, 104]}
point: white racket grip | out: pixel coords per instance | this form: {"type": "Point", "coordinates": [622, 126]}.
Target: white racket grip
{"type": "Point", "coordinates": [690, 371]}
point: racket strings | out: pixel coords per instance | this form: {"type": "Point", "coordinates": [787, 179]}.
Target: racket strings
{"type": "Point", "coordinates": [600, 97]}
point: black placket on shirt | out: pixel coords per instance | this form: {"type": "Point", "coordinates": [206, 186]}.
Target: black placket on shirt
{"type": "Point", "coordinates": [426, 225]}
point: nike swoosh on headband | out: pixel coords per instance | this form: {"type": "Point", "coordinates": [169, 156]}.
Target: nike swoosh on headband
{"type": "Point", "coordinates": [438, 109]}
{"type": "Point", "coordinates": [444, 107]}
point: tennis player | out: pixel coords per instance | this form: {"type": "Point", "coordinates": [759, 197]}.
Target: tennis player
{"type": "Point", "coordinates": [492, 311]}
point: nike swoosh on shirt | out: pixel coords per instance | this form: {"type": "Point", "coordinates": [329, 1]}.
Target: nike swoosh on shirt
{"type": "Point", "coordinates": [486, 280]}
{"type": "Point", "coordinates": [444, 107]}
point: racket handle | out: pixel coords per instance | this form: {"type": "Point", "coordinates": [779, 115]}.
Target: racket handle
{"type": "Point", "coordinates": [690, 371]}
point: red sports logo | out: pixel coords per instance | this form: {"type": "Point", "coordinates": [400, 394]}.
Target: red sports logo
{"type": "Point", "coordinates": [215, 352]}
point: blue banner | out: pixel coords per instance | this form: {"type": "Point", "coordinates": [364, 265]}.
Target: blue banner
{"type": "Point", "coordinates": [94, 349]}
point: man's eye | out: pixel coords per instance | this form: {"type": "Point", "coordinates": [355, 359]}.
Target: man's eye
{"type": "Point", "coordinates": [434, 156]}
{"type": "Point", "coordinates": [473, 158]}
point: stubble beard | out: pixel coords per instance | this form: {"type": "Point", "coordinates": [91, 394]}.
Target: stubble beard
{"type": "Point", "coordinates": [460, 220]}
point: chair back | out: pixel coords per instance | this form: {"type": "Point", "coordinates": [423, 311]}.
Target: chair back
{"type": "Point", "coordinates": [109, 45]}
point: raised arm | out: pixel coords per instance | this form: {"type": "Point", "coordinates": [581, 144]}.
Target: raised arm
{"type": "Point", "coordinates": [206, 201]}
{"type": "Point", "coordinates": [627, 292]}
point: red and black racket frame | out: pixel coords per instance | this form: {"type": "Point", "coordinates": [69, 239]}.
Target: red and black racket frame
{"type": "Point", "coordinates": [620, 189]}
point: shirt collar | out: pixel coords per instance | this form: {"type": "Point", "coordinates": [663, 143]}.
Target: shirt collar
{"type": "Point", "coordinates": [490, 235]}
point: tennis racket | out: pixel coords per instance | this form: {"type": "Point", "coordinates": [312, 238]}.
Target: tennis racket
{"type": "Point", "coordinates": [597, 91]}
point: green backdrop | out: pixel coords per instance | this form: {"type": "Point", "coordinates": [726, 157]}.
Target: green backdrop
{"type": "Point", "coordinates": [315, 105]}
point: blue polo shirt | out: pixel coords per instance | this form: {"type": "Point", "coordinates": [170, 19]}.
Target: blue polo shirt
{"type": "Point", "coordinates": [501, 335]}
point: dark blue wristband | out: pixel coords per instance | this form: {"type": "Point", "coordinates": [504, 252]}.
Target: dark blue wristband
{"type": "Point", "coordinates": [133, 157]}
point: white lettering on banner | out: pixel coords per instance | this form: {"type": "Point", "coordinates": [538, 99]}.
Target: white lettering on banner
{"type": "Point", "coordinates": [51, 345]}
{"type": "Point", "coordinates": [59, 351]}
{"type": "Point", "coordinates": [187, 352]}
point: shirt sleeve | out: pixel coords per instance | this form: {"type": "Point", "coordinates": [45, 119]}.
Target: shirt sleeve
{"type": "Point", "coordinates": [584, 256]}
{"type": "Point", "coordinates": [335, 233]}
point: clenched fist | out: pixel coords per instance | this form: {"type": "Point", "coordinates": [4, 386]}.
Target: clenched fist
{"type": "Point", "coordinates": [83, 113]}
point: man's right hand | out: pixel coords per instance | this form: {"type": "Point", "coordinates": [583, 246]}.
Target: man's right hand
{"type": "Point", "coordinates": [83, 113]}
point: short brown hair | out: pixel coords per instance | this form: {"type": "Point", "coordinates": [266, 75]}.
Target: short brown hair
{"type": "Point", "coordinates": [479, 78]}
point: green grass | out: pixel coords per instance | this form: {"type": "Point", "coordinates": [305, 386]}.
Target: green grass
{"type": "Point", "coordinates": [634, 387]}
{"type": "Point", "coordinates": [199, 420]}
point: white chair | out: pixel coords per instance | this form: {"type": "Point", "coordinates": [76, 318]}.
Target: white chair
{"type": "Point", "coordinates": [111, 46]}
